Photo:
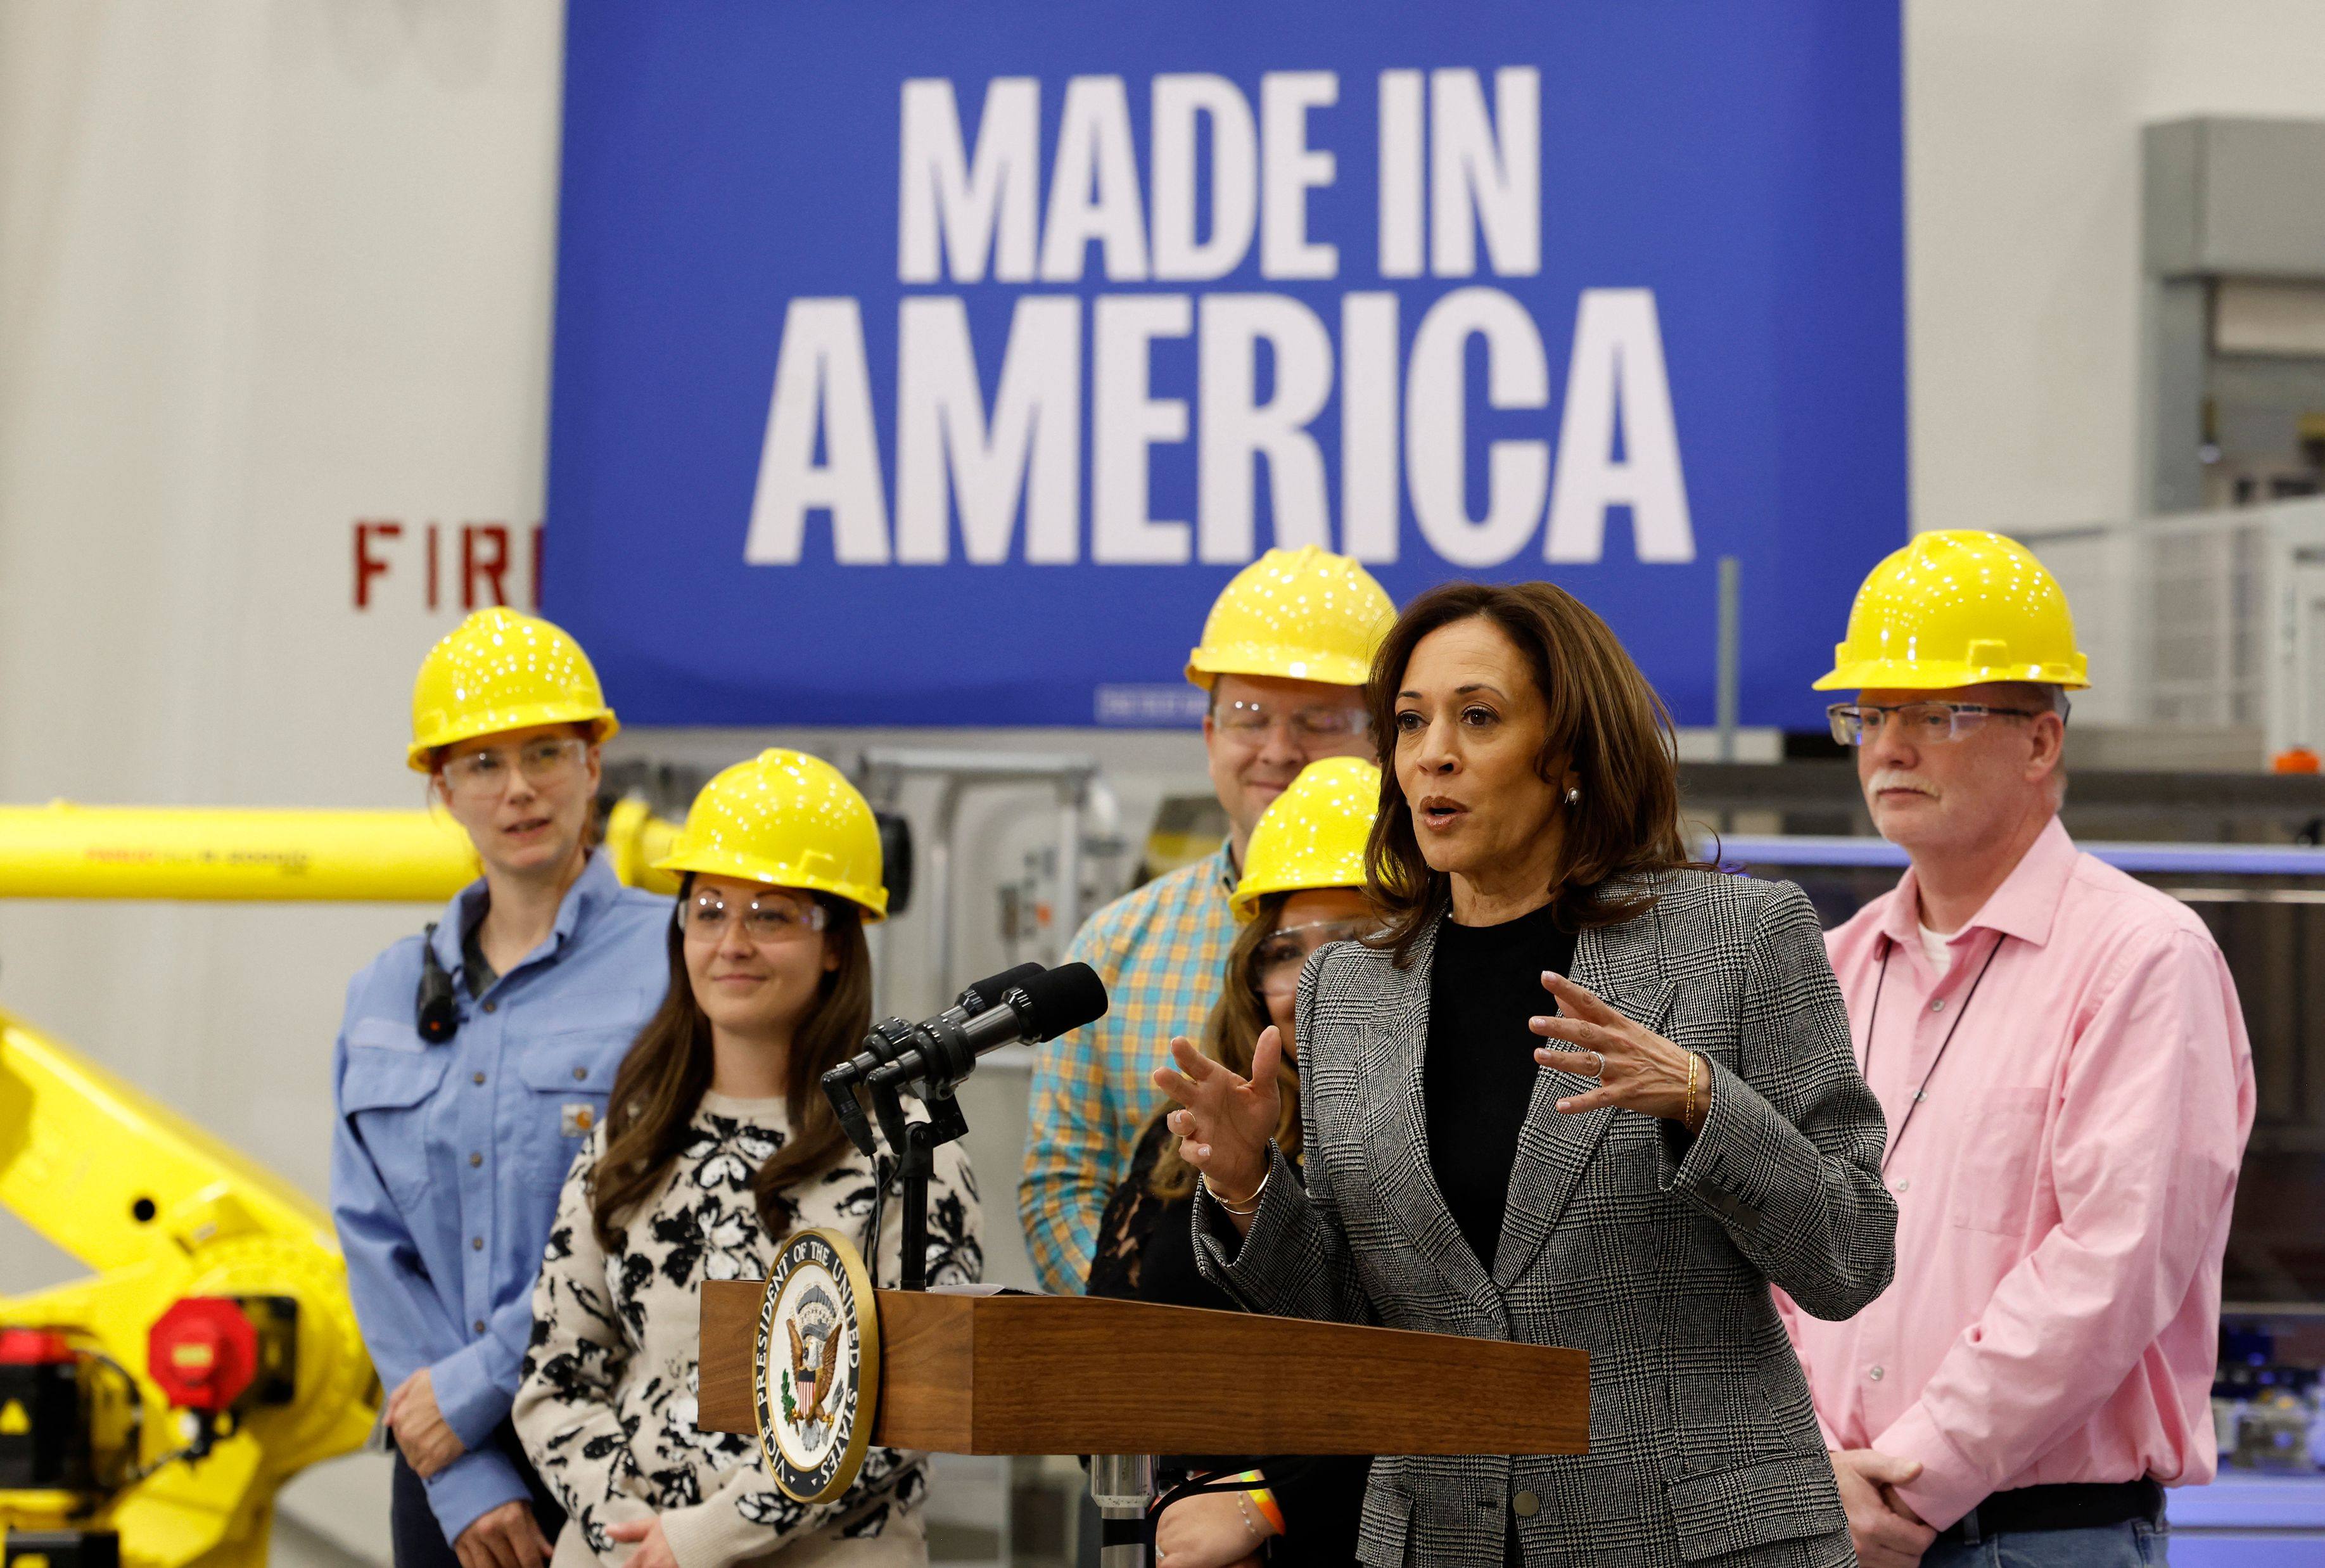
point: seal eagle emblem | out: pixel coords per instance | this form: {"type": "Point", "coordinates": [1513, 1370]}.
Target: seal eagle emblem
{"type": "Point", "coordinates": [815, 1366]}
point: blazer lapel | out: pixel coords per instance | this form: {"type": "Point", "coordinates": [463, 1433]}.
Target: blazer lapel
{"type": "Point", "coordinates": [1396, 1133]}
{"type": "Point", "coordinates": [1616, 963]}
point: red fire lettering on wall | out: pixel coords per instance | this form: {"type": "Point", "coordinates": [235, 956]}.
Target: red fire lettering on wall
{"type": "Point", "coordinates": [474, 566]}
{"type": "Point", "coordinates": [368, 566]}
{"type": "Point", "coordinates": [487, 568]}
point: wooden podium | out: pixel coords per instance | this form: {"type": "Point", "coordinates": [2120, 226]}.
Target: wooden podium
{"type": "Point", "coordinates": [1036, 1374]}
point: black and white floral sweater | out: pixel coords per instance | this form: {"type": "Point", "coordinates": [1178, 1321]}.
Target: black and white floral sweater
{"type": "Point", "coordinates": [607, 1411]}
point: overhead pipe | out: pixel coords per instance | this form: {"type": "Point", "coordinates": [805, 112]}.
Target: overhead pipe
{"type": "Point", "coordinates": [237, 855]}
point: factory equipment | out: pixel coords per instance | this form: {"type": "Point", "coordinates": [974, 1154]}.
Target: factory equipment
{"type": "Point", "coordinates": [212, 1354]}
{"type": "Point", "coordinates": [64, 850]}
{"type": "Point", "coordinates": [1058, 888]}
{"type": "Point", "coordinates": [150, 1413]}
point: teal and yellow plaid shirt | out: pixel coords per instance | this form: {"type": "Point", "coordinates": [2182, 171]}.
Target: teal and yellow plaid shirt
{"type": "Point", "coordinates": [1161, 950]}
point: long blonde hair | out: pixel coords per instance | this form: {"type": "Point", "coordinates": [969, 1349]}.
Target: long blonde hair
{"type": "Point", "coordinates": [1230, 1037]}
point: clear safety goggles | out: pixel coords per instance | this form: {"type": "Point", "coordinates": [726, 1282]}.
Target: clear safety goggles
{"type": "Point", "coordinates": [1921, 723]}
{"type": "Point", "coordinates": [1247, 720]}
{"type": "Point", "coordinates": [1276, 965]}
{"type": "Point", "coordinates": [487, 772]}
{"type": "Point", "coordinates": [768, 919]}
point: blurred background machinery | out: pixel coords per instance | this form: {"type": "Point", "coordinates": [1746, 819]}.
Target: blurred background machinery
{"type": "Point", "coordinates": [150, 1413]}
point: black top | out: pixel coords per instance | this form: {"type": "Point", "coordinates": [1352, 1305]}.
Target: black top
{"type": "Point", "coordinates": [1146, 1252]}
{"type": "Point", "coordinates": [1146, 1243]}
{"type": "Point", "coordinates": [1479, 1075]}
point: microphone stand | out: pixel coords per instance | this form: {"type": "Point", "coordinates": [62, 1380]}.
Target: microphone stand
{"type": "Point", "coordinates": [916, 1143]}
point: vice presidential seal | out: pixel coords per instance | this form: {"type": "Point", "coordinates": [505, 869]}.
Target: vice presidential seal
{"type": "Point", "coordinates": [818, 1366]}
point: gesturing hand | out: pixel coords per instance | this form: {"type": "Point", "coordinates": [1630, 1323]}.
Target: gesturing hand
{"type": "Point", "coordinates": [1636, 1068]}
{"type": "Point", "coordinates": [1228, 1118]}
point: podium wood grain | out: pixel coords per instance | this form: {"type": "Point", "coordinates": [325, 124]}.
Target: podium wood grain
{"type": "Point", "coordinates": [1024, 1373]}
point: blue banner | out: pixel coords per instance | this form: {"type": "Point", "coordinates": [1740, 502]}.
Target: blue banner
{"type": "Point", "coordinates": [933, 364]}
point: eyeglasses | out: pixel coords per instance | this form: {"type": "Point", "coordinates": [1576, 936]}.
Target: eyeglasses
{"type": "Point", "coordinates": [1276, 965]}
{"type": "Point", "coordinates": [1247, 720]}
{"type": "Point", "coordinates": [487, 773]}
{"type": "Point", "coordinates": [1923, 723]}
{"type": "Point", "coordinates": [768, 918]}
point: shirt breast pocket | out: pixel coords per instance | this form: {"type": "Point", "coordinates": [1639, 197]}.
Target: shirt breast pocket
{"type": "Point", "coordinates": [385, 1092]}
{"type": "Point", "coordinates": [1994, 1180]}
{"type": "Point", "coordinates": [568, 1076]}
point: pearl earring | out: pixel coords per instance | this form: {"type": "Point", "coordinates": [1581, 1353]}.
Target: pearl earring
{"type": "Point", "coordinates": [1573, 795]}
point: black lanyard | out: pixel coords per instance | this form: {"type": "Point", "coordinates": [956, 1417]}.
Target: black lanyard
{"type": "Point", "coordinates": [1873, 1022]}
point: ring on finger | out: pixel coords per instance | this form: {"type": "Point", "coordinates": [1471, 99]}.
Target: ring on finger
{"type": "Point", "coordinates": [1599, 1067]}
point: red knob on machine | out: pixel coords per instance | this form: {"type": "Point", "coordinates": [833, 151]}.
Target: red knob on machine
{"type": "Point", "coordinates": [202, 1352]}
{"type": "Point", "coordinates": [34, 1347]}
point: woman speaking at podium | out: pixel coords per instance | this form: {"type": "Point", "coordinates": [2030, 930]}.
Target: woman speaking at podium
{"type": "Point", "coordinates": [1624, 1174]}
{"type": "Point", "coordinates": [717, 1145]}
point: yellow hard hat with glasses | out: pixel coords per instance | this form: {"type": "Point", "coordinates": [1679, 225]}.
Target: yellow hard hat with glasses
{"type": "Point", "coordinates": [1957, 608]}
{"type": "Point", "coordinates": [499, 671]}
{"type": "Point", "coordinates": [1304, 614]}
{"type": "Point", "coordinates": [786, 818]}
{"type": "Point", "coordinates": [1313, 834]}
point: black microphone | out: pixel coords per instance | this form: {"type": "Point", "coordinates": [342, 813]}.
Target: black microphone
{"type": "Point", "coordinates": [892, 1037]}
{"type": "Point", "coordinates": [1042, 1007]}
{"type": "Point", "coordinates": [983, 994]}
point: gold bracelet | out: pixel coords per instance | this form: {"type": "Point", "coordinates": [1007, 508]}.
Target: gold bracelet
{"type": "Point", "coordinates": [1687, 1115]}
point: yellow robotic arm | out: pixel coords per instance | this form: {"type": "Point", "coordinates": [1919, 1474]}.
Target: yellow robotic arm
{"type": "Point", "coordinates": [63, 850]}
{"type": "Point", "coordinates": [214, 1352]}
{"type": "Point", "coordinates": [164, 1213]}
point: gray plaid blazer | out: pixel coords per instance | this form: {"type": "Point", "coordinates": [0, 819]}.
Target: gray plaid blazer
{"type": "Point", "coordinates": [1623, 1238]}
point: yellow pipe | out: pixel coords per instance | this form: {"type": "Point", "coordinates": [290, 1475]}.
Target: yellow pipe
{"type": "Point", "coordinates": [63, 850]}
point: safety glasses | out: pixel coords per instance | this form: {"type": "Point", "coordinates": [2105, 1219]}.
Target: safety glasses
{"type": "Point", "coordinates": [1921, 723]}
{"type": "Point", "coordinates": [768, 919]}
{"type": "Point", "coordinates": [1276, 965]}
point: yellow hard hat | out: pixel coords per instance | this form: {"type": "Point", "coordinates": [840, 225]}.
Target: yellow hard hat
{"type": "Point", "coordinates": [786, 818]}
{"type": "Point", "coordinates": [1304, 614]}
{"type": "Point", "coordinates": [1313, 834]}
{"type": "Point", "coordinates": [498, 671]}
{"type": "Point", "coordinates": [1957, 608]}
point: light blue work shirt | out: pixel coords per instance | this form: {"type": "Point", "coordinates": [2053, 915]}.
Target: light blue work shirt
{"type": "Point", "coordinates": [447, 1160]}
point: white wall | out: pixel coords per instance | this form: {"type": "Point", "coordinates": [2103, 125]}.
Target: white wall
{"type": "Point", "coordinates": [2022, 185]}
{"type": "Point", "coordinates": [264, 269]}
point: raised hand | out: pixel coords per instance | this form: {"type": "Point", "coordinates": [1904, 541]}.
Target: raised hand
{"type": "Point", "coordinates": [1636, 1068]}
{"type": "Point", "coordinates": [1225, 1119]}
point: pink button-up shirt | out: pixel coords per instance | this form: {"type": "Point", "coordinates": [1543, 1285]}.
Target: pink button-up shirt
{"type": "Point", "coordinates": [2063, 1171]}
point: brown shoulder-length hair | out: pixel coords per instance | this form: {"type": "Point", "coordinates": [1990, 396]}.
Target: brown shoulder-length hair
{"type": "Point", "coordinates": [1231, 1035]}
{"type": "Point", "coordinates": [1607, 729]}
{"type": "Point", "coordinates": [667, 1073]}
